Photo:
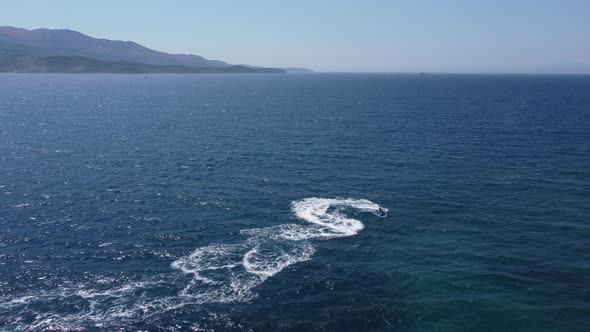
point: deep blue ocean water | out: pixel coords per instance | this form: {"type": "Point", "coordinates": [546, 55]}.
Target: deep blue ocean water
{"type": "Point", "coordinates": [243, 202]}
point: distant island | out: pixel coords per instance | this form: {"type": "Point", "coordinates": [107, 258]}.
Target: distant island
{"type": "Point", "coordinates": [67, 51]}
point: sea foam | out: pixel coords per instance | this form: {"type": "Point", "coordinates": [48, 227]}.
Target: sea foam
{"type": "Point", "coordinates": [228, 272]}
{"type": "Point", "coordinates": [220, 272]}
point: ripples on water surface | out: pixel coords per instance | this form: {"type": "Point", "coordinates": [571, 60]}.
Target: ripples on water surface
{"type": "Point", "coordinates": [243, 202]}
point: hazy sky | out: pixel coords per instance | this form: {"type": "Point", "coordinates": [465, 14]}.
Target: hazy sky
{"type": "Point", "coordinates": [370, 35]}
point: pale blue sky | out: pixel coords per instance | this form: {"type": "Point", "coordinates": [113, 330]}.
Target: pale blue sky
{"type": "Point", "coordinates": [370, 35]}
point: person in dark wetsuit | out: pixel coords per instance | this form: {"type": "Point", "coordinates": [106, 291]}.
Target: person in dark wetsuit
{"type": "Point", "coordinates": [380, 212]}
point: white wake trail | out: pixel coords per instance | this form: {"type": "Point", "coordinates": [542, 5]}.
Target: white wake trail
{"type": "Point", "coordinates": [221, 273]}
{"type": "Point", "coordinates": [316, 211]}
{"type": "Point", "coordinates": [227, 273]}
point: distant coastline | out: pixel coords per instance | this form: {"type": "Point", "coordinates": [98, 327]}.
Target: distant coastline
{"type": "Point", "coordinates": [79, 64]}
{"type": "Point", "coordinates": [67, 51]}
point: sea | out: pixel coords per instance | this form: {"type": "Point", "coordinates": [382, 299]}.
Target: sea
{"type": "Point", "coordinates": [240, 202]}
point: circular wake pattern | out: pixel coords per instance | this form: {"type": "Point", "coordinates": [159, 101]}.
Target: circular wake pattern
{"type": "Point", "coordinates": [221, 273]}
{"type": "Point", "coordinates": [268, 260]}
{"type": "Point", "coordinates": [227, 273]}
{"type": "Point", "coordinates": [335, 223]}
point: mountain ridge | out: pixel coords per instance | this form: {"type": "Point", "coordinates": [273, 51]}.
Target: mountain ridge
{"type": "Point", "coordinates": [73, 43]}
{"type": "Point", "coordinates": [38, 49]}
